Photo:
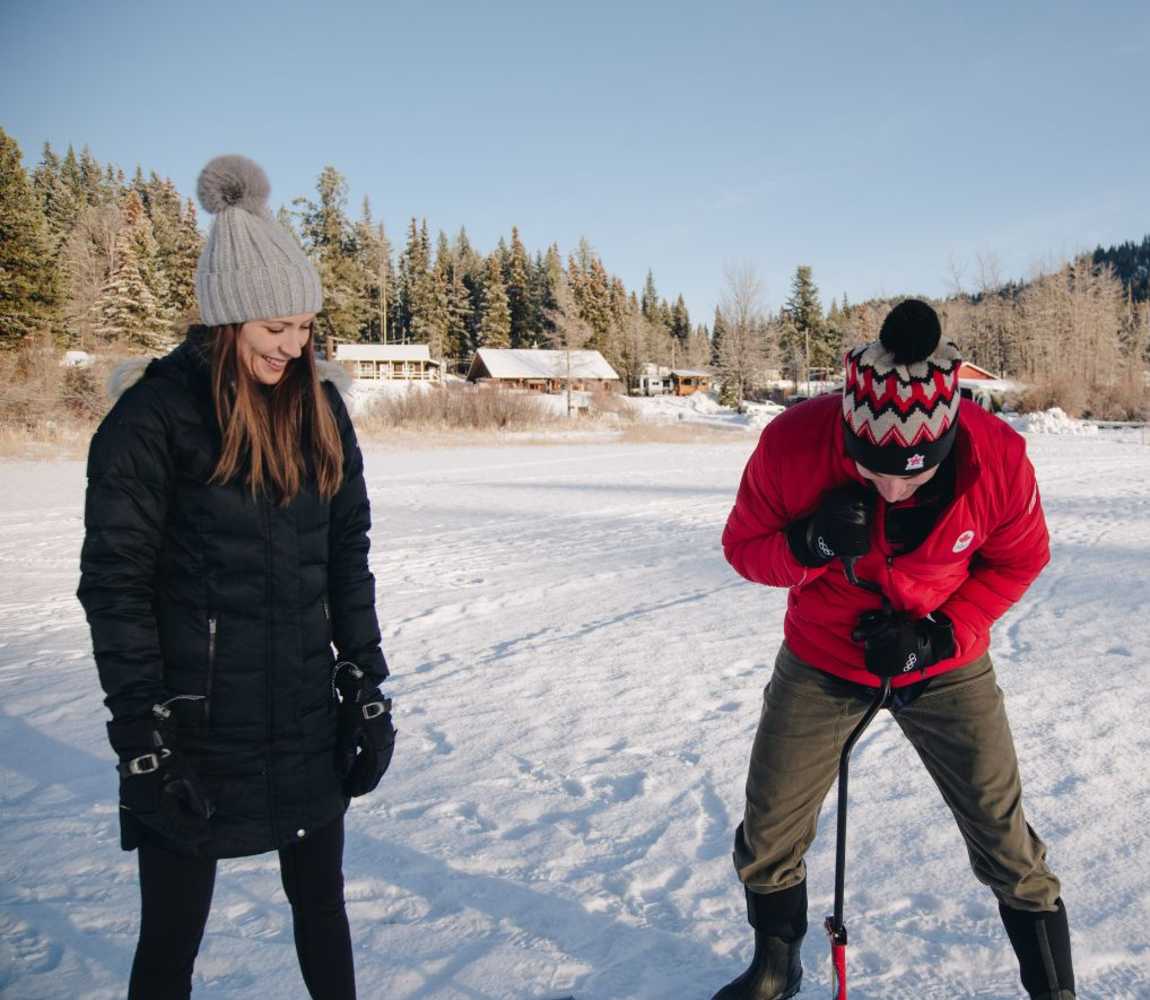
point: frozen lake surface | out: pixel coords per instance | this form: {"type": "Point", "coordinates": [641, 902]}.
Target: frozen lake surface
{"type": "Point", "coordinates": [577, 679]}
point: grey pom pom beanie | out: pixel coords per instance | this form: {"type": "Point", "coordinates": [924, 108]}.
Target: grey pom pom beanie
{"type": "Point", "coordinates": [250, 267]}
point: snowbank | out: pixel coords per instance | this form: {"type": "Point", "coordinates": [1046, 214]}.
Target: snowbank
{"type": "Point", "coordinates": [364, 393]}
{"type": "Point", "coordinates": [702, 408]}
{"type": "Point", "coordinates": [1052, 421]}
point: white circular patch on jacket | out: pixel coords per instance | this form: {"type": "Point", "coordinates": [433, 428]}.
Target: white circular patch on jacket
{"type": "Point", "coordinates": [963, 541]}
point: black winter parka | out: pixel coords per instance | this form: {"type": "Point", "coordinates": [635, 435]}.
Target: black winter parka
{"type": "Point", "coordinates": [225, 608]}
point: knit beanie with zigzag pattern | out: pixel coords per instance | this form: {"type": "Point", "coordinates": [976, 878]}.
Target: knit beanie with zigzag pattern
{"type": "Point", "coordinates": [901, 396]}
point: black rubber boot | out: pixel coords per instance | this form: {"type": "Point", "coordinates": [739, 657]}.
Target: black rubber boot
{"type": "Point", "coordinates": [780, 921]}
{"type": "Point", "coordinates": [1042, 943]}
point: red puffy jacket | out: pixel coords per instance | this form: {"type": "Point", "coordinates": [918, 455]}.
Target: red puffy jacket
{"type": "Point", "coordinates": [985, 549]}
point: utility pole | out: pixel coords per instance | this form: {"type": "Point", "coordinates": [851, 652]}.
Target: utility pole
{"type": "Point", "coordinates": [568, 352]}
{"type": "Point", "coordinates": [807, 358]}
{"type": "Point", "coordinates": [382, 286]}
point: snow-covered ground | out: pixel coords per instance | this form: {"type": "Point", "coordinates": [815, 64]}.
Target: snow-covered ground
{"type": "Point", "coordinates": [578, 676]}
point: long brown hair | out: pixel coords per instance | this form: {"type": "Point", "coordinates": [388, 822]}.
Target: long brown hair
{"type": "Point", "coordinates": [278, 435]}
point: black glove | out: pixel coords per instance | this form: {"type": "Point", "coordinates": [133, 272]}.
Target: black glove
{"type": "Point", "coordinates": [840, 527]}
{"type": "Point", "coordinates": [365, 739]}
{"type": "Point", "coordinates": [897, 644]}
{"type": "Point", "coordinates": [157, 785]}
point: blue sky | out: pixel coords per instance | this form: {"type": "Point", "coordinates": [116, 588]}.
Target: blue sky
{"type": "Point", "coordinates": [880, 146]}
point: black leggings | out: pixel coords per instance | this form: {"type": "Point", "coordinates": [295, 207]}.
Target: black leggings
{"type": "Point", "coordinates": [176, 894]}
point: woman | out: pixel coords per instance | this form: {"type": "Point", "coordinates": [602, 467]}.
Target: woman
{"type": "Point", "coordinates": [225, 553]}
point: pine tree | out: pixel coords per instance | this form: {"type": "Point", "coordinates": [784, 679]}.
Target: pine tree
{"type": "Point", "coordinates": [57, 199]}
{"type": "Point", "coordinates": [374, 255]}
{"type": "Point", "coordinates": [29, 279]}
{"type": "Point", "coordinates": [138, 228]}
{"type": "Point", "coordinates": [804, 333]}
{"type": "Point", "coordinates": [472, 268]}
{"type": "Point", "coordinates": [178, 242]}
{"type": "Point", "coordinates": [516, 275]}
{"type": "Point", "coordinates": [591, 290]}
{"type": "Point", "coordinates": [546, 276]}
{"type": "Point", "coordinates": [70, 174]}
{"type": "Point", "coordinates": [129, 309]}
{"type": "Point", "coordinates": [495, 318]}
{"type": "Point", "coordinates": [439, 333]}
{"type": "Point", "coordinates": [834, 334]}
{"type": "Point", "coordinates": [650, 301]}
{"type": "Point", "coordinates": [718, 328]}
{"type": "Point", "coordinates": [328, 238]}
{"type": "Point", "coordinates": [411, 266]}
{"type": "Point", "coordinates": [182, 259]}
{"type": "Point", "coordinates": [680, 321]}
{"type": "Point", "coordinates": [93, 187]}
{"type": "Point", "coordinates": [460, 324]}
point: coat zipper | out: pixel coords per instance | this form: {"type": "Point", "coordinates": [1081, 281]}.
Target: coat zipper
{"type": "Point", "coordinates": [884, 548]}
{"type": "Point", "coordinates": [266, 505]}
{"type": "Point", "coordinates": [212, 623]}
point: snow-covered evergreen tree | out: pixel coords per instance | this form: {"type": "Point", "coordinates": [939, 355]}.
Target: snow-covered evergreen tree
{"type": "Point", "coordinates": [128, 309]}
{"type": "Point", "coordinates": [495, 316]}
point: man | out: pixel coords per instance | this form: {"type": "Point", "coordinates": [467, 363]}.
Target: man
{"type": "Point", "coordinates": [935, 501]}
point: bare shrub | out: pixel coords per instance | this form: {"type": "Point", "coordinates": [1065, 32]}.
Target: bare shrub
{"type": "Point", "coordinates": [1128, 399]}
{"type": "Point", "coordinates": [1125, 399]}
{"type": "Point", "coordinates": [1064, 391]}
{"type": "Point", "coordinates": [29, 387]}
{"type": "Point", "coordinates": [43, 402]}
{"type": "Point", "coordinates": [451, 407]}
{"type": "Point", "coordinates": [603, 402]}
{"type": "Point", "coordinates": [83, 394]}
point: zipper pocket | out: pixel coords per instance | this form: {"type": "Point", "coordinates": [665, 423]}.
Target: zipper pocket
{"type": "Point", "coordinates": [163, 710]}
{"type": "Point", "coordinates": [212, 623]}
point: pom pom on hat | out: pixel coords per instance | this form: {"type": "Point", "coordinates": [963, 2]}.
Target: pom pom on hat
{"type": "Point", "coordinates": [233, 182]}
{"type": "Point", "coordinates": [911, 332]}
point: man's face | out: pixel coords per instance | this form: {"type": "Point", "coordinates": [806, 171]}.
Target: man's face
{"type": "Point", "coordinates": [895, 488]}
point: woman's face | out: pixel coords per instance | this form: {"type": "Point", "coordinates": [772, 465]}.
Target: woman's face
{"type": "Point", "coordinates": [895, 488]}
{"type": "Point", "coordinates": [267, 346]}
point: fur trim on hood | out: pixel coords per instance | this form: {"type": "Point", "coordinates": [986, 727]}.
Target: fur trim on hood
{"type": "Point", "coordinates": [125, 375]}
{"type": "Point", "coordinates": [128, 373]}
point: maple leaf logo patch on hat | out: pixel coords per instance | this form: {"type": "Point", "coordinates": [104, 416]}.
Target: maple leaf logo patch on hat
{"type": "Point", "coordinates": [914, 463]}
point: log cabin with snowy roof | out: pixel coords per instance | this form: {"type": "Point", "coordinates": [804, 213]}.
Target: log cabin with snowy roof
{"type": "Point", "coordinates": [543, 371]}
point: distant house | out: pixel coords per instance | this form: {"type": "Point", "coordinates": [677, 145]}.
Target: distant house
{"type": "Point", "coordinates": [389, 362]}
{"type": "Point", "coordinates": [986, 389]}
{"type": "Point", "coordinates": [974, 373]}
{"type": "Point", "coordinates": [654, 380]}
{"type": "Point", "coordinates": [543, 371]}
{"type": "Point", "coordinates": [686, 382]}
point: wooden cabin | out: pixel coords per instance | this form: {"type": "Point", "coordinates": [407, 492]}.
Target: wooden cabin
{"type": "Point", "coordinates": [686, 382]}
{"type": "Point", "coordinates": [543, 371]}
{"type": "Point", "coordinates": [389, 362]}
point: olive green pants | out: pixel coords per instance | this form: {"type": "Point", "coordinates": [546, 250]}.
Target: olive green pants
{"type": "Point", "coordinates": [957, 724]}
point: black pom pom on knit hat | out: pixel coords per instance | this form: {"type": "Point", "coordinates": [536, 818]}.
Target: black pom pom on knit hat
{"type": "Point", "coordinates": [900, 394]}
